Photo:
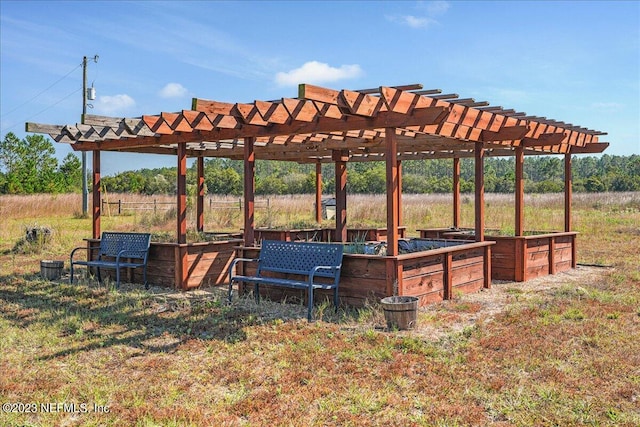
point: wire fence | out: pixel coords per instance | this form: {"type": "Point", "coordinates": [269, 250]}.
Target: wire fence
{"type": "Point", "coordinates": [119, 206]}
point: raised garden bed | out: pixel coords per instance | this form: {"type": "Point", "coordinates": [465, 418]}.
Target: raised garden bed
{"type": "Point", "coordinates": [521, 258]}
{"type": "Point", "coordinates": [431, 275]}
{"type": "Point", "coordinates": [184, 266]}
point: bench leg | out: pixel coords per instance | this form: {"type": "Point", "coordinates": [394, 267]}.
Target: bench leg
{"type": "Point", "coordinates": [310, 308]}
{"type": "Point", "coordinates": [71, 273]}
{"type": "Point", "coordinates": [256, 292]}
{"type": "Point", "coordinates": [335, 299]}
{"type": "Point", "coordinates": [144, 277]}
{"type": "Point", "coordinates": [230, 291]}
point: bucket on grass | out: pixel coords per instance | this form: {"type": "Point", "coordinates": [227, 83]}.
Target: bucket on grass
{"type": "Point", "coordinates": [51, 270]}
{"type": "Point", "coordinates": [400, 312]}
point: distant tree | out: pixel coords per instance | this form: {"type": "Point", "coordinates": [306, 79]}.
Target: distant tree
{"type": "Point", "coordinates": [71, 173]}
{"type": "Point", "coordinates": [30, 165]}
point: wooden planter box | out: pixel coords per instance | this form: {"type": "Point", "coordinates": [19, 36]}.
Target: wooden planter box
{"type": "Point", "coordinates": [325, 234]}
{"type": "Point", "coordinates": [291, 235]}
{"type": "Point", "coordinates": [522, 258]}
{"type": "Point", "coordinates": [183, 266]}
{"type": "Point", "coordinates": [429, 275]}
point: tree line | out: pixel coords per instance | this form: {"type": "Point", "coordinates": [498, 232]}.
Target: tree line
{"type": "Point", "coordinates": [29, 166]}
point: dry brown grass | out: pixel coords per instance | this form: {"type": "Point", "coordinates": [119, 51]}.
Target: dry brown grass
{"type": "Point", "coordinates": [554, 351]}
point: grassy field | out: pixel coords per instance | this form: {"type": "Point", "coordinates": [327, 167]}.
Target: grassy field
{"type": "Point", "coordinates": [559, 351]}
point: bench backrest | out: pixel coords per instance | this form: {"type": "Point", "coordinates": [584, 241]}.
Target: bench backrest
{"type": "Point", "coordinates": [300, 257]}
{"type": "Point", "coordinates": [136, 244]}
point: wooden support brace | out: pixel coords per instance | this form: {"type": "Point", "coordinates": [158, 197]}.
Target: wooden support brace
{"type": "Point", "coordinates": [506, 133]}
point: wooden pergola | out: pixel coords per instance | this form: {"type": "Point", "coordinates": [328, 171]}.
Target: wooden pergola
{"type": "Point", "coordinates": [389, 124]}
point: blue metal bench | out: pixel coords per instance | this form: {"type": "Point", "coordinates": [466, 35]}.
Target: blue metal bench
{"type": "Point", "coordinates": [117, 250]}
{"type": "Point", "coordinates": [320, 263]}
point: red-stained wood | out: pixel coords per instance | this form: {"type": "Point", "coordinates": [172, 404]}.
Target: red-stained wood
{"type": "Point", "coordinates": [519, 190]}
{"type": "Point", "coordinates": [181, 266]}
{"type": "Point", "coordinates": [318, 192]}
{"type": "Point", "coordinates": [367, 278]}
{"type": "Point", "coordinates": [392, 191]}
{"type": "Point", "coordinates": [551, 260]}
{"type": "Point", "coordinates": [181, 201]}
{"type": "Point", "coordinates": [448, 276]}
{"type": "Point", "coordinates": [544, 140]}
{"type": "Point", "coordinates": [340, 158]}
{"type": "Point", "coordinates": [205, 263]}
{"type": "Point", "coordinates": [97, 195]}
{"type": "Point", "coordinates": [568, 191]}
{"type": "Point", "coordinates": [393, 276]}
{"type": "Point", "coordinates": [488, 263]}
{"type": "Point", "coordinates": [479, 192]}
{"type": "Point", "coordinates": [593, 148]}
{"type": "Point", "coordinates": [456, 192]}
{"type": "Point", "coordinates": [507, 133]}
{"type": "Point", "coordinates": [400, 219]}
{"type": "Point", "coordinates": [249, 190]}
{"type": "Point", "coordinates": [200, 196]}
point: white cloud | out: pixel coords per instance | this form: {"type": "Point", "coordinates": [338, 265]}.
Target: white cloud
{"type": "Point", "coordinates": [116, 104]}
{"type": "Point", "coordinates": [437, 7]}
{"type": "Point", "coordinates": [429, 9]}
{"type": "Point", "coordinates": [317, 72]}
{"type": "Point", "coordinates": [416, 22]}
{"type": "Point", "coordinates": [173, 90]}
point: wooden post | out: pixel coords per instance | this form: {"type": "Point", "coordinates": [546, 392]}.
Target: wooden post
{"type": "Point", "coordinates": [456, 192]}
{"type": "Point", "coordinates": [568, 196]}
{"type": "Point", "coordinates": [181, 202]}
{"type": "Point", "coordinates": [399, 193]}
{"type": "Point", "coordinates": [391, 157]}
{"type": "Point", "coordinates": [318, 192]}
{"type": "Point", "coordinates": [447, 270]}
{"type": "Point", "coordinates": [479, 190]}
{"type": "Point", "coordinates": [200, 196]}
{"type": "Point", "coordinates": [568, 190]}
{"type": "Point", "coordinates": [97, 194]}
{"type": "Point", "coordinates": [249, 190]}
{"type": "Point", "coordinates": [340, 157]}
{"type": "Point", "coordinates": [181, 266]}
{"type": "Point", "coordinates": [487, 267]}
{"type": "Point", "coordinates": [519, 189]}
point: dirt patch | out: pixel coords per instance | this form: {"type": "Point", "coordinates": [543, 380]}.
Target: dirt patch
{"type": "Point", "coordinates": [465, 310]}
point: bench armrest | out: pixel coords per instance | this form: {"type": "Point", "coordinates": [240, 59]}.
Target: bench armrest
{"type": "Point", "coordinates": [315, 269]}
{"type": "Point", "coordinates": [88, 248]}
{"type": "Point", "coordinates": [236, 261]}
{"type": "Point", "coordinates": [130, 254]}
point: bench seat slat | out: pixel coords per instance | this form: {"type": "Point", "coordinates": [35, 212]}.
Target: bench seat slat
{"type": "Point", "coordinates": [298, 284]}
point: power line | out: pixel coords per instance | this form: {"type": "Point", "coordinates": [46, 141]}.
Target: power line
{"type": "Point", "coordinates": [45, 109]}
{"type": "Point", "coordinates": [41, 92]}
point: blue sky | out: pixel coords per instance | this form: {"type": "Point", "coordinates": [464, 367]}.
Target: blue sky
{"type": "Point", "coordinates": [573, 61]}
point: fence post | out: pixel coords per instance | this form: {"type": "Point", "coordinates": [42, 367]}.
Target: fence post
{"type": "Point", "coordinates": [119, 206]}
{"type": "Point", "coordinates": [155, 206]}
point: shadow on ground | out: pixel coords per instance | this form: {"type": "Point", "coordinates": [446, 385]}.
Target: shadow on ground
{"type": "Point", "coordinates": [95, 316]}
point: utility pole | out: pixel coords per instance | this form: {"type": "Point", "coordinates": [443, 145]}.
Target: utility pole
{"type": "Point", "coordinates": [85, 194]}
{"type": "Point", "coordinates": [85, 190]}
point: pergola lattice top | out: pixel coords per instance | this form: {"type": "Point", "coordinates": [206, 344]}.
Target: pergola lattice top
{"type": "Point", "coordinates": [320, 121]}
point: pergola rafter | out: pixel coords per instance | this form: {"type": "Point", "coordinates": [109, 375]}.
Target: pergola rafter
{"type": "Point", "coordinates": [427, 123]}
